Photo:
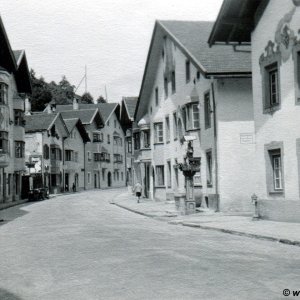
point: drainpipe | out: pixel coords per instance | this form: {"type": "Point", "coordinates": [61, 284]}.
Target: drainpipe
{"type": "Point", "coordinates": [215, 138]}
{"type": "Point", "coordinates": [84, 166]}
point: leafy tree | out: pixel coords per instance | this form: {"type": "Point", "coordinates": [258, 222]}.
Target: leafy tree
{"type": "Point", "coordinates": [41, 93]}
{"type": "Point", "coordinates": [101, 99]}
{"type": "Point", "coordinates": [87, 98]}
{"type": "Point", "coordinates": [63, 92]}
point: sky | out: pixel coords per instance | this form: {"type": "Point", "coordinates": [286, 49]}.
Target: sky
{"type": "Point", "coordinates": [110, 37]}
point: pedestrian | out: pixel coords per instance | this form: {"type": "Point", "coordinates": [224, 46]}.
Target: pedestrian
{"type": "Point", "coordinates": [74, 187]}
{"type": "Point", "coordinates": [138, 191]}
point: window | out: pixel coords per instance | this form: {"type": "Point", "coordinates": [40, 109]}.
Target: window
{"type": "Point", "coordinates": [198, 75]}
{"type": "Point", "coordinates": [167, 129]}
{"type": "Point", "coordinates": [122, 176]}
{"type": "Point", "coordinates": [136, 139]}
{"type": "Point", "coordinates": [118, 158]}
{"type": "Point", "coordinates": [271, 92]}
{"type": "Point", "coordinates": [159, 134]}
{"type": "Point", "coordinates": [89, 156]}
{"type": "Point", "coordinates": [195, 116]}
{"type": "Point", "coordinates": [273, 88]}
{"type": "Point", "coordinates": [19, 117]}
{"type": "Point", "coordinates": [55, 153]}
{"type": "Point", "coordinates": [103, 174]}
{"type": "Point", "coordinates": [89, 178]}
{"type": "Point", "coordinates": [96, 137]}
{"type": "Point", "coordinates": [46, 152]}
{"type": "Point", "coordinates": [173, 83]}
{"type": "Point", "coordinates": [160, 177]}
{"type": "Point", "coordinates": [169, 175]}
{"type": "Point", "coordinates": [115, 123]}
{"type": "Point", "coordinates": [19, 149]}
{"type": "Point", "coordinates": [166, 87]}
{"type": "Point", "coordinates": [175, 126]}
{"type": "Point", "coordinates": [277, 172]}
{"type": "Point", "coordinates": [107, 123]}
{"type": "Point", "coordinates": [275, 169]}
{"type": "Point", "coordinates": [187, 71]}
{"type": "Point", "coordinates": [3, 93]}
{"type": "Point", "coordinates": [209, 168]}
{"type": "Point", "coordinates": [207, 111]}
{"type": "Point", "coordinates": [97, 156]}
{"type": "Point", "coordinates": [145, 137]}
{"type": "Point", "coordinates": [69, 155]}
{"type": "Point", "coordinates": [156, 96]}
{"type": "Point", "coordinates": [76, 156]}
{"type": "Point", "coordinates": [129, 146]}
{"type": "Point", "coordinates": [108, 139]}
{"type": "Point", "coordinates": [101, 136]}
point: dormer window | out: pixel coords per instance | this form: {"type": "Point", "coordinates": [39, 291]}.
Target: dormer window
{"type": "Point", "coordinates": [3, 93]}
{"type": "Point", "coordinates": [187, 71]}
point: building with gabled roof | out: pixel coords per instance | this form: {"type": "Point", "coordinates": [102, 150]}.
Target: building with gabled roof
{"type": "Point", "coordinates": [272, 30]}
{"type": "Point", "coordinates": [105, 155]}
{"type": "Point", "coordinates": [45, 136]}
{"type": "Point", "coordinates": [15, 85]}
{"type": "Point", "coordinates": [128, 106]}
{"type": "Point", "coordinates": [74, 155]}
{"type": "Point", "coordinates": [190, 89]}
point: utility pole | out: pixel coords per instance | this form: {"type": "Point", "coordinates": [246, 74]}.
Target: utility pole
{"type": "Point", "coordinates": [105, 93]}
{"type": "Point", "coordinates": [85, 76]}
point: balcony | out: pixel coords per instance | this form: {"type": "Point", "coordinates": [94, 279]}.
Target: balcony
{"type": "Point", "coordinates": [145, 154]}
{"type": "Point", "coordinates": [71, 166]}
{"type": "Point", "coordinates": [4, 160]}
{"type": "Point", "coordinates": [18, 103]}
{"type": "Point", "coordinates": [56, 166]}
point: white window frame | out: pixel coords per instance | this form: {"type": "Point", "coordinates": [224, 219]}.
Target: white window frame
{"type": "Point", "coordinates": [277, 172]}
{"type": "Point", "coordinates": [159, 133]}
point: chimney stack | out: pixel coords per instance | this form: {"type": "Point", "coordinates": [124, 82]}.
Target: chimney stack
{"type": "Point", "coordinates": [75, 104]}
{"type": "Point", "coordinates": [27, 106]}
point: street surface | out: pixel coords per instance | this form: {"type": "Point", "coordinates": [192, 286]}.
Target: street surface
{"type": "Point", "coordinates": [81, 247]}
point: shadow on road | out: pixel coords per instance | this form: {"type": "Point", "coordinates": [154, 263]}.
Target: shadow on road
{"type": "Point", "coordinates": [6, 295]}
{"type": "Point", "coordinates": [12, 213]}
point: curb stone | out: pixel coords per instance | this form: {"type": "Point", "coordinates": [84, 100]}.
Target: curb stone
{"type": "Point", "coordinates": [240, 233]}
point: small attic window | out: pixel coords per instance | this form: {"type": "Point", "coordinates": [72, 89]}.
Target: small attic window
{"type": "Point", "coordinates": [198, 75]}
{"type": "Point", "coordinates": [163, 54]}
{"type": "Point", "coordinates": [52, 130]}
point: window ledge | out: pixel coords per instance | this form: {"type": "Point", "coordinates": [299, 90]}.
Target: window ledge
{"type": "Point", "coordinates": [281, 192]}
{"type": "Point", "coordinates": [209, 185]}
{"type": "Point", "coordinates": [160, 186]}
{"type": "Point", "coordinates": [271, 109]}
{"type": "Point", "coordinates": [145, 149]}
{"type": "Point", "coordinates": [193, 129]}
{"type": "Point", "coordinates": [168, 142]}
{"type": "Point", "coordinates": [159, 143]}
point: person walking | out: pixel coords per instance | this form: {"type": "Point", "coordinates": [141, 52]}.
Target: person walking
{"type": "Point", "coordinates": [138, 191]}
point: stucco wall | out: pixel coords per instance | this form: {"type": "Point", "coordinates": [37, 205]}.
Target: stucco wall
{"type": "Point", "coordinates": [281, 125]}
{"type": "Point", "coordinates": [236, 143]}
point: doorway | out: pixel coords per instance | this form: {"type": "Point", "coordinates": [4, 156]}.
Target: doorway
{"type": "Point", "coordinates": [147, 180]}
{"type": "Point", "coordinates": [66, 182]}
{"type": "Point", "coordinates": [109, 179]}
{"type": "Point", "coordinates": [95, 181]}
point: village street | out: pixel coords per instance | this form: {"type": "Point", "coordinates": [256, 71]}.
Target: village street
{"type": "Point", "coordinates": [79, 246]}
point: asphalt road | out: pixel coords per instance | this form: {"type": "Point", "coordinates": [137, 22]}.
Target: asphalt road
{"type": "Point", "coordinates": [81, 247]}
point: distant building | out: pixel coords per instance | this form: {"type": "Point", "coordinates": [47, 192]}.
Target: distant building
{"type": "Point", "coordinates": [45, 143]}
{"type": "Point", "coordinates": [128, 106]}
{"type": "Point", "coordinates": [272, 29]}
{"type": "Point", "coordinates": [14, 86]}
{"type": "Point", "coordinates": [189, 89]}
{"type": "Point", "coordinates": [74, 155]}
{"type": "Point", "coordinates": [105, 154]}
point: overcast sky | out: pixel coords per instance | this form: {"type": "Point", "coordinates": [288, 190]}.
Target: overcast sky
{"type": "Point", "coordinates": [111, 37]}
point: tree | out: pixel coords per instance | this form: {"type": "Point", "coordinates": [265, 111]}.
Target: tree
{"type": "Point", "coordinates": [63, 92]}
{"type": "Point", "coordinates": [41, 93]}
{"type": "Point", "coordinates": [87, 98]}
{"type": "Point", "coordinates": [101, 99]}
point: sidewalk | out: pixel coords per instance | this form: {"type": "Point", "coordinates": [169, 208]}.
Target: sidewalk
{"type": "Point", "coordinates": [238, 224]}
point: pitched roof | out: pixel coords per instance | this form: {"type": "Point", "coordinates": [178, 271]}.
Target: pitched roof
{"type": "Point", "coordinates": [71, 123]}
{"type": "Point", "coordinates": [192, 36]}
{"type": "Point", "coordinates": [105, 109]}
{"type": "Point", "coordinates": [236, 20]}
{"type": "Point", "coordinates": [130, 105]}
{"type": "Point", "coordinates": [85, 115]}
{"type": "Point", "coordinates": [18, 55]}
{"type": "Point", "coordinates": [39, 122]}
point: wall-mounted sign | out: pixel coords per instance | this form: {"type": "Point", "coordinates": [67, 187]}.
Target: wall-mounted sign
{"type": "Point", "coordinates": [247, 138]}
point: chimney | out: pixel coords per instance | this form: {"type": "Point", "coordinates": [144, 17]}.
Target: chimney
{"type": "Point", "coordinates": [49, 108]}
{"type": "Point", "coordinates": [27, 106]}
{"type": "Point", "coordinates": [75, 104]}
